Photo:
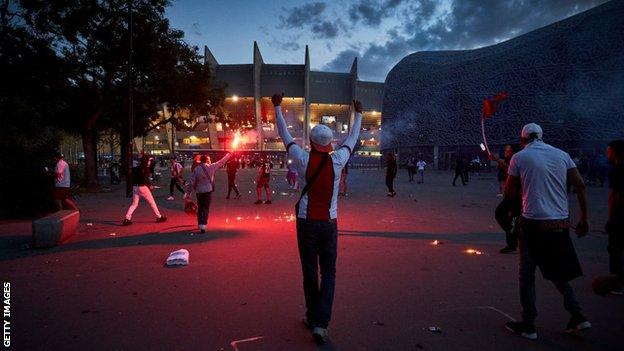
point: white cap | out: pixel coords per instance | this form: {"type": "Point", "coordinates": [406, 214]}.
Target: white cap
{"type": "Point", "coordinates": [322, 137]}
{"type": "Point", "coordinates": [529, 129]}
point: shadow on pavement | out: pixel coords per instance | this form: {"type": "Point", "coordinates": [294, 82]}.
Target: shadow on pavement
{"type": "Point", "coordinates": [451, 237]}
{"type": "Point", "coordinates": [17, 246]}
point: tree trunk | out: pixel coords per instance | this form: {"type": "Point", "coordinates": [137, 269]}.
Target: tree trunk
{"type": "Point", "coordinates": [89, 141]}
{"type": "Point", "coordinates": [89, 146]}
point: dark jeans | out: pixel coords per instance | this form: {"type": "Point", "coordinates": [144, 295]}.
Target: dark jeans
{"type": "Point", "coordinates": [232, 185]}
{"type": "Point", "coordinates": [318, 241]}
{"type": "Point", "coordinates": [411, 170]}
{"type": "Point", "coordinates": [203, 207]}
{"type": "Point", "coordinates": [616, 250]}
{"type": "Point", "coordinates": [390, 183]}
{"type": "Point", "coordinates": [527, 285]}
{"type": "Point", "coordinates": [459, 174]}
{"type": "Point", "coordinates": [507, 214]}
{"type": "Point", "coordinates": [175, 182]}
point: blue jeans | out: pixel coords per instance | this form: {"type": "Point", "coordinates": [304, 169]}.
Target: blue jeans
{"type": "Point", "coordinates": [318, 242]}
{"type": "Point", "coordinates": [203, 207]}
{"type": "Point", "coordinates": [527, 284]}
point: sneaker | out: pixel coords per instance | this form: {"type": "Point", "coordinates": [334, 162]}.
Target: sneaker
{"type": "Point", "coordinates": [237, 197]}
{"type": "Point", "coordinates": [617, 291]}
{"type": "Point", "coordinates": [577, 323]}
{"type": "Point", "coordinates": [202, 228]}
{"type": "Point", "coordinates": [320, 335]}
{"type": "Point", "coordinates": [507, 250]}
{"type": "Point", "coordinates": [170, 198]}
{"type": "Point", "coordinates": [126, 221]}
{"type": "Point", "coordinates": [499, 195]}
{"type": "Point", "coordinates": [267, 202]}
{"type": "Point", "coordinates": [186, 196]}
{"type": "Point", "coordinates": [525, 330]}
{"type": "Point", "coordinates": [227, 197]}
{"type": "Point", "coordinates": [307, 323]}
{"type": "Point", "coordinates": [259, 202]}
{"type": "Point", "coordinates": [161, 219]}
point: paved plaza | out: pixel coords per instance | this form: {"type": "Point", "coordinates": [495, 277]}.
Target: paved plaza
{"type": "Point", "coordinates": [107, 288]}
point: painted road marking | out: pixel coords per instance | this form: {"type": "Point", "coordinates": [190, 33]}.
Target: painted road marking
{"type": "Point", "coordinates": [235, 343]}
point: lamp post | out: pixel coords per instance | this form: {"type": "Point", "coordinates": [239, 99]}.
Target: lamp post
{"type": "Point", "coordinates": [235, 100]}
{"type": "Point", "coordinates": [130, 130]}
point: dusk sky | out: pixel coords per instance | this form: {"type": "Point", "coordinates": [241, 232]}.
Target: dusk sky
{"type": "Point", "coordinates": [379, 33]}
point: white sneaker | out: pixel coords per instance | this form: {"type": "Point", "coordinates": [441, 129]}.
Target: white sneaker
{"type": "Point", "coordinates": [186, 196]}
{"type": "Point", "coordinates": [202, 228]}
{"type": "Point", "coordinates": [320, 335]}
{"type": "Point", "coordinates": [170, 198]}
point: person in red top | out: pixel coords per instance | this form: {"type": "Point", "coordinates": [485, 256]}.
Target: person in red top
{"type": "Point", "coordinates": [263, 181]}
{"type": "Point", "coordinates": [317, 211]}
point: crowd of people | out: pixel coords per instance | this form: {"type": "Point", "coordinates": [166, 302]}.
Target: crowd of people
{"type": "Point", "coordinates": [533, 212]}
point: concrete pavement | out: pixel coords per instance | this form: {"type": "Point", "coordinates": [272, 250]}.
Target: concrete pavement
{"type": "Point", "coordinates": [107, 288]}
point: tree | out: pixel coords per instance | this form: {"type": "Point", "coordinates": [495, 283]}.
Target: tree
{"type": "Point", "coordinates": [91, 38]}
{"type": "Point", "coordinates": [31, 98]}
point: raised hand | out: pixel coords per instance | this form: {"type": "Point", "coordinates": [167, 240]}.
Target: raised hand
{"type": "Point", "coordinates": [357, 105]}
{"type": "Point", "coordinates": [277, 99]}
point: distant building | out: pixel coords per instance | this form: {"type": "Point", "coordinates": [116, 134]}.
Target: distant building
{"type": "Point", "coordinates": [568, 77]}
{"type": "Point", "coordinates": [310, 98]}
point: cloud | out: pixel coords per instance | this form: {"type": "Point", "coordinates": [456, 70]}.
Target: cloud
{"type": "Point", "coordinates": [286, 43]}
{"type": "Point", "coordinates": [325, 29]}
{"type": "Point", "coordinates": [465, 24]}
{"type": "Point", "coordinates": [300, 16]}
{"type": "Point", "coordinates": [314, 18]}
{"type": "Point", "coordinates": [196, 29]}
{"type": "Point", "coordinates": [371, 12]}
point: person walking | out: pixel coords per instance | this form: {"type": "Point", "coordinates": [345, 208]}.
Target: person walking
{"type": "Point", "coordinates": [615, 222]}
{"type": "Point", "coordinates": [177, 177]}
{"type": "Point", "coordinates": [317, 211]}
{"type": "Point", "coordinates": [421, 164]}
{"type": "Point", "coordinates": [62, 183]}
{"type": "Point", "coordinates": [502, 167]}
{"type": "Point", "coordinates": [141, 187]}
{"type": "Point", "coordinates": [391, 171]}
{"type": "Point", "coordinates": [264, 181]}
{"type": "Point", "coordinates": [291, 175]}
{"type": "Point", "coordinates": [541, 170]}
{"type": "Point", "coordinates": [507, 213]}
{"type": "Point", "coordinates": [202, 182]}
{"type": "Point", "coordinates": [459, 170]}
{"type": "Point", "coordinates": [232, 167]}
{"type": "Point", "coordinates": [411, 167]}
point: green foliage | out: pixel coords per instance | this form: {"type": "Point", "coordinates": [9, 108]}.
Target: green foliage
{"type": "Point", "coordinates": [66, 62]}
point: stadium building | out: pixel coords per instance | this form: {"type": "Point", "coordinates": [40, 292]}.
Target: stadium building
{"type": "Point", "coordinates": [568, 77]}
{"type": "Point", "coordinates": [310, 97]}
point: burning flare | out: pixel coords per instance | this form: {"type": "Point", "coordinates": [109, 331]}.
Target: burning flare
{"type": "Point", "coordinates": [236, 140]}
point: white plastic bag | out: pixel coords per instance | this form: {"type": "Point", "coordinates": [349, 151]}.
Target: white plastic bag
{"type": "Point", "coordinates": [178, 258]}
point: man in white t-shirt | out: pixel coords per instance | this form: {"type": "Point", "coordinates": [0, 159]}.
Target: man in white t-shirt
{"type": "Point", "coordinates": [62, 184]}
{"type": "Point", "coordinates": [421, 170]}
{"type": "Point", "coordinates": [540, 172]}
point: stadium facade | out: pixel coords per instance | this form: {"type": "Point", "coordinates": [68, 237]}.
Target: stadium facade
{"type": "Point", "coordinates": [568, 77]}
{"type": "Point", "coordinates": [311, 97]}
